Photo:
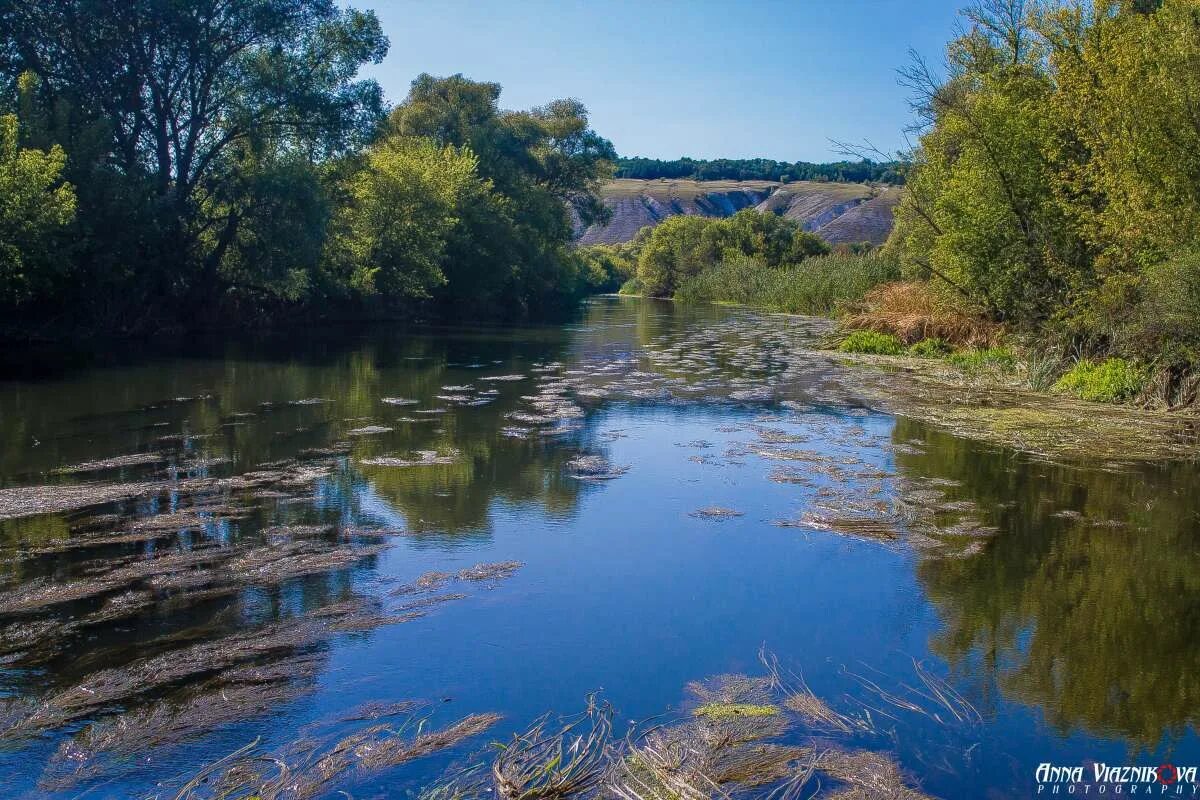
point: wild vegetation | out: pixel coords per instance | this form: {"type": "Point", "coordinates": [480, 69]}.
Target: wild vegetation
{"type": "Point", "coordinates": [1054, 186]}
{"type": "Point", "coordinates": [194, 164]}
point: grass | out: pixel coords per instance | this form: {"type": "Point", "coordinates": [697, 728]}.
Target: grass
{"type": "Point", "coordinates": [880, 344]}
{"type": "Point", "coordinates": [931, 348]}
{"type": "Point", "coordinates": [1113, 380]}
{"type": "Point", "coordinates": [977, 359]}
{"type": "Point", "coordinates": [913, 311]}
{"type": "Point", "coordinates": [819, 285]}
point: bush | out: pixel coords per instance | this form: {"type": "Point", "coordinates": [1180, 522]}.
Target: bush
{"type": "Point", "coordinates": [914, 310]}
{"type": "Point", "coordinates": [819, 285]}
{"type": "Point", "coordinates": [882, 344]}
{"type": "Point", "coordinates": [1110, 381]}
{"type": "Point", "coordinates": [633, 286]}
{"type": "Point", "coordinates": [998, 358]}
{"type": "Point", "coordinates": [930, 348]}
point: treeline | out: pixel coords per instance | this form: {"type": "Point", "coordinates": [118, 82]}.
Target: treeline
{"type": "Point", "coordinates": [174, 165]}
{"type": "Point", "coordinates": [760, 169]}
{"type": "Point", "coordinates": [1056, 186]}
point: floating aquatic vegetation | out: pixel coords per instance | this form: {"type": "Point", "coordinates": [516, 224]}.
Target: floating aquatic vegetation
{"type": "Point", "coordinates": [787, 475]}
{"type": "Point", "coordinates": [26, 501]}
{"type": "Point", "coordinates": [295, 559]}
{"type": "Point", "coordinates": [490, 573]}
{"type": "Point", "coordinates": [421, 458]}
{"type": "Point", "coordinates": [114, 462]}
{"type": "Point", "coordinates": [868, 775]}
{"type": "Point", "coordinates": [730, 710]}
{"type": "Point", "coordinates": [715, 513]}
{"type": "Point", "coordinates": [377, 709]}
{"type": "Point", "coordinates": [778, 436]}
{"type": "Point", "coordinates": [369, 430]}
{"type": "Point", "coordinates": [105, 747]}
{"type": "Point", "coordinates": [309, 771]}
{"type": "Point", "coordinates": [104, 688]}
{"type": "Point", "coordinates": [594, 468]}
{"type": "Point", "coordinates": [556, 759]}
{"type": "Point", "coordinates": [428, 582]}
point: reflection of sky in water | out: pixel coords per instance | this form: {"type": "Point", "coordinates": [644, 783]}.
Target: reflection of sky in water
{"type": "Point", "coordinates": [624, 590]}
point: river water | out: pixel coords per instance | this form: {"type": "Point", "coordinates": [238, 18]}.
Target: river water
{"type": "Point", "coordinates": [261, 547]}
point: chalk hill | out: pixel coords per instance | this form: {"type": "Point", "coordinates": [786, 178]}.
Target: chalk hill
{"type": "Point", "coordinates": [839, 212]}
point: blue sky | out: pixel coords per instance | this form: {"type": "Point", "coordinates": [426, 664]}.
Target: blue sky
{"type": "Point", "coordinates": [666, 79]}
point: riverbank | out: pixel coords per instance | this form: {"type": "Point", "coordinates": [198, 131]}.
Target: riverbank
{"type": "Point", "coordinates": [996, 407]}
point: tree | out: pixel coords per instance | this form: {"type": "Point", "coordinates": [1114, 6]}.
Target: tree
{"type": "Point", "coordinates": [392, 235]}
{"type": "Point", "coordinates": [545, 165]}
{"type": "Point", "coordinates": [188, 91]}
{"type": "Point", "coordinates": [979, 214]}
{"type": "Point", "coordinates": [35, 205]}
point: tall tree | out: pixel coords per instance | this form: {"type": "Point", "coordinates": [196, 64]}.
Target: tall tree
{"type": "Point", "coordinates": [546, 164]}
{"type": "Point", "coordinates": [189, 90]}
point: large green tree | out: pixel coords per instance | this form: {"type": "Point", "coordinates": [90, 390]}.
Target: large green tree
{"type": "Point", "coordinates": [35, 206]}
{"type": "Point", "coordinates": [546, 164]}
{"type": "Point", "coordinates": [191, 98]}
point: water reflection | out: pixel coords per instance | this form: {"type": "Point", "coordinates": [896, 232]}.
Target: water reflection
{"type": "Point", "coordinates": [302, 517]}
{"type": "Point", "coordinates": [1087, 604]}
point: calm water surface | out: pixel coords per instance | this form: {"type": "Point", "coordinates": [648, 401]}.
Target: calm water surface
{"type": "Point", "coordinates": [293, 489]}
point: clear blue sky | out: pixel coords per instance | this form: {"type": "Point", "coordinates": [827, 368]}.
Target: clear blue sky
{"type": "Point", "coordinates": [663, 79]}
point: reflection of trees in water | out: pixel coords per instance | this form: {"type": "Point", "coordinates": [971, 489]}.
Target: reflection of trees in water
{"type": "Point", "coordinates": [1092, 622]}
{"type": "Point", "coordinates": [242, 406]}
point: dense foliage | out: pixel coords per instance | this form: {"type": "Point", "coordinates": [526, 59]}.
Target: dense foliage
{"type": "Point", "coordinates": [759, 169]}
{"type": "Point", "coordinates": [823, 284]}
{"type": "Point", "coordinates": [1056, 185]}
{"type": "Point", "coordinates": [752, 258]}
{"type": "Point", "coordinates": [681, 247]}
{"type": "Point", "coordinates": [180, 164]}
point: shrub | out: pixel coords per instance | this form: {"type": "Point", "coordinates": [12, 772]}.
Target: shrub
{"type": "Point", "coordinates": [1110, 381]}
{"type": "Point", "coordinates": [935, 347]}
{"type": "Point", "coordinates": [998, 358]}
{"type": "Point", "coordinates": [883, 344]}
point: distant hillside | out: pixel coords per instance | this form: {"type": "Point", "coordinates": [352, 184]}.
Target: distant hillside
{"type": "Point", "coordinates": [839, 212]}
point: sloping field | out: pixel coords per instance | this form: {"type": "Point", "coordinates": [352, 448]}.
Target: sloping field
{"type": "Point", "coordinates": [816, 206]}
{"type": "Point", "coordinates": [867, 222]}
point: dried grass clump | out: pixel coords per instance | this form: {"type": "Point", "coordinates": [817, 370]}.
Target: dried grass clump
{"type": "Point", "coordinates": [489, 573]}
{"type": "Point", "coordinates": [912, 311]}
{"type": "Point", "coordinates": [559, 760]}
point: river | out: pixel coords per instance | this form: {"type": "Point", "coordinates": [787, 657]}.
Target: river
{"type": "Point", "coordinates": [255, 548]}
